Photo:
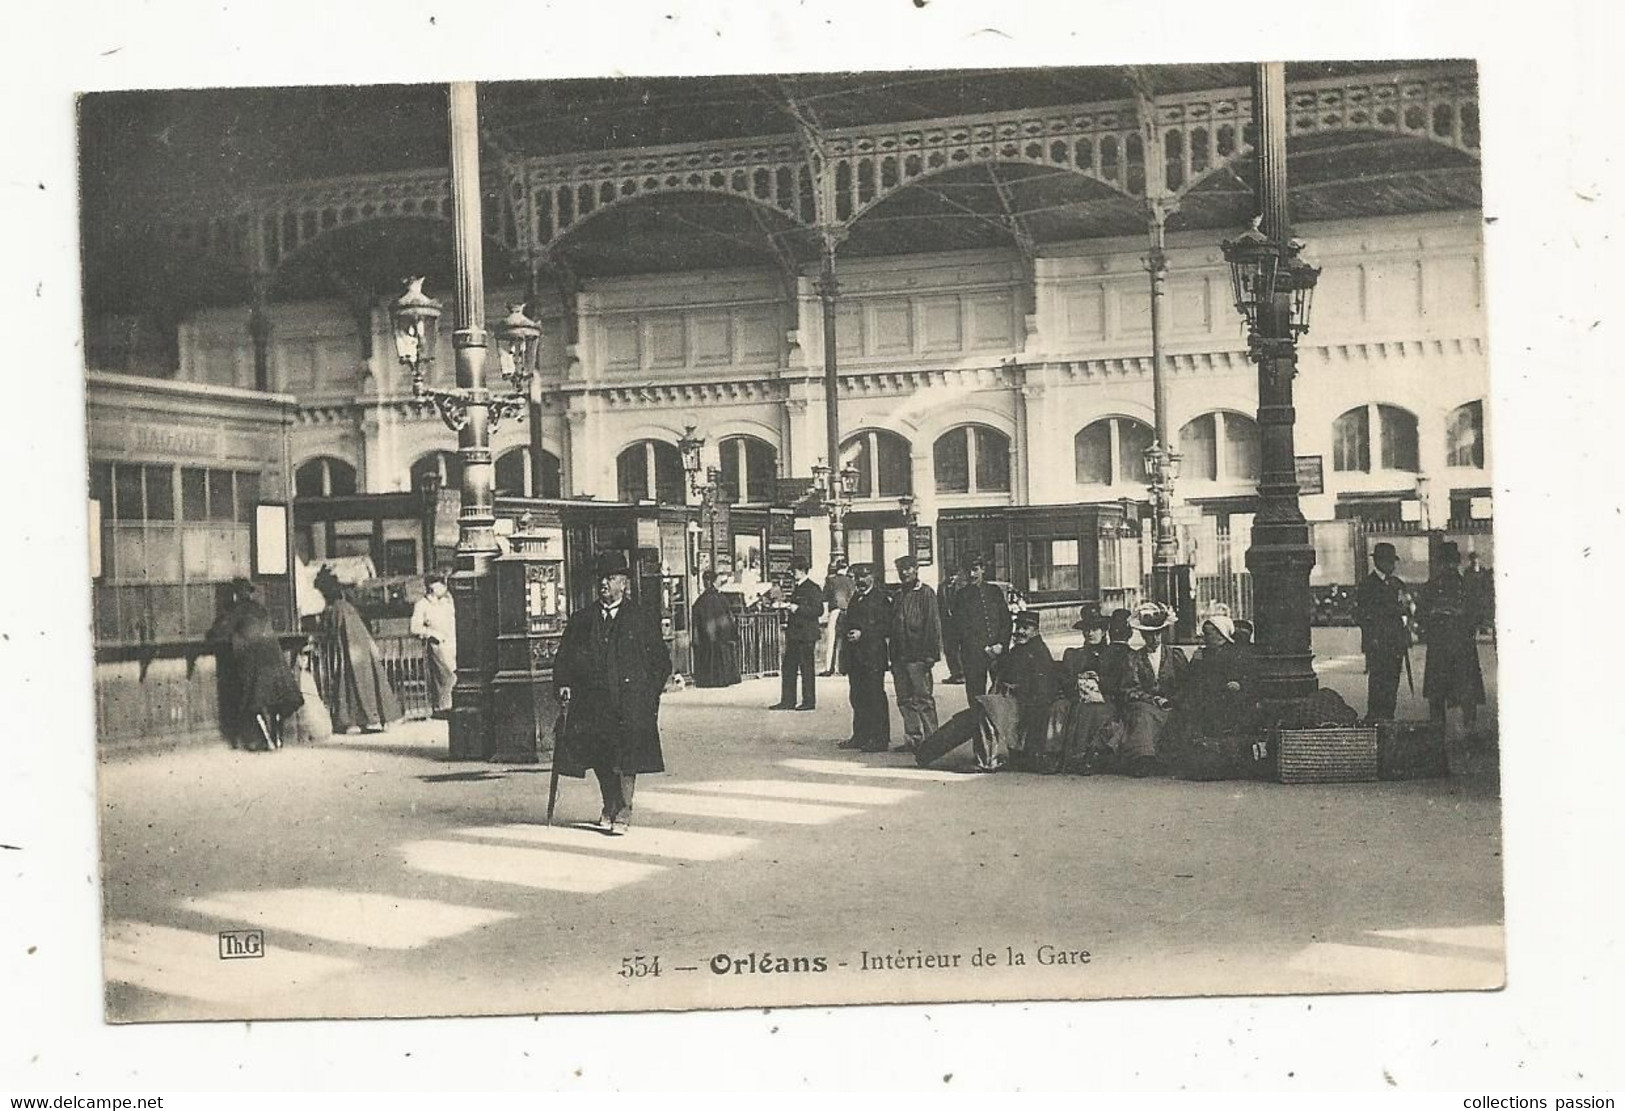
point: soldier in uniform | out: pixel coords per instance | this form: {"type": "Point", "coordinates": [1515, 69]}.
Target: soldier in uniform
{"type": "Point", "coordinates": [1382, 608]}
{"type": "Point", "coordinates": [982, 628]}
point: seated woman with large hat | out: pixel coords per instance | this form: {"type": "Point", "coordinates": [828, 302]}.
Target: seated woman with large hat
{"type": "Point", "coordinates": [1144, 684]}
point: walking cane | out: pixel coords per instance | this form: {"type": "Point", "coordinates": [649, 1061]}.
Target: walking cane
{"type": "Point", "coordinates": [553, 772]}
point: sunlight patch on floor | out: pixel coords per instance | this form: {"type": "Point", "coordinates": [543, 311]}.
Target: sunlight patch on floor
{"type": "Point", "coordinates": [675, 843]}
{"type": "Point", "coordinates": [794, 789]}
{"type": "Point", "coordinates": [523, 867]}
{"type": "Point", "coordinates": [187, 963]}
{"type": "Point", "coordinates": [352, 917]}
{"type": "Point", "coordinates": [843, 767]}
{"type": "Point", "coordinates": [751, 810]}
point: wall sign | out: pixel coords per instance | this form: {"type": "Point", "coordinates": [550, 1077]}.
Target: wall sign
{"type": "Point", "coordinates": [270, 539]}
{"type": "Point", "coordinates": [922, 542]}
{"type": "Point", "coordinates": [1311, 474]}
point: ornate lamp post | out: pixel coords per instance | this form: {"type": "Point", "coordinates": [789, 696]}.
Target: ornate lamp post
{"type": "Point", "coordinates": [1273, 291]}
{"type": "Point", "coordinates": [689, 447]}
{"type": "Point", "coordinates": [836, 489]}
{"type": "Point", "coordinates": [471, 411]}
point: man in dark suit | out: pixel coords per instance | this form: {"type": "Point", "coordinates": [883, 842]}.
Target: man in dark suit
{"type": "Point", "coordinates": [982, 628]}
{"type": "Point", "coordinates": [610, 671]}
{"type": "Point", "coordinates": [865, 658]}
{"type": "Point", "coordinates": [804, 606]}
{"type": "Point", "coordinates": [1382, 608]}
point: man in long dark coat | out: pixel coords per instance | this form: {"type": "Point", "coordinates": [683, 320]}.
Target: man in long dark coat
{"type": "Point", "coordinates": [611, 669]}
{"type": "Point", "coordinates": [865, 658]}
{"type": "Point", "coordinates": [716, 637]}
{"type": "Point", "coordinates": [1453, 676]}
{"type": "Point", "coordinates": [982, 628]}
{"type": "Point", "coordinates": [803, 608]}
{"type": "Point", "coordinates": [1383, 611]}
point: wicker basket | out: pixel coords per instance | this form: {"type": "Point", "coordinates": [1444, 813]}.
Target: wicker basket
{"type": "Point", "coordinates": [1335, 755]}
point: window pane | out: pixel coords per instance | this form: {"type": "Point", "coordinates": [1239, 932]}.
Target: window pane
{"type": "Point", "coordinates": [551, 485]}
{"type": "Point", "coordinates": [101, 486]}
{"type": "Point", "coordinates": [127, 493]}
{"type": "Point", "coordinates": [670, 481]}
{"type": "Point", "coordinates": [163, 553]}
{"type": "Point", "coordinates": [1399, 450]}
{"type": "Point", "coordinates": [992, 460]}
{"type": "Point", "coordinates": [1465, 436]}
{"type": "Point", "coordinates": [220, 496]}
{"type": "Point", "coordinates": [860, 545]}
{"type": "Point", "coordinates": [1196, 444]}
{"type": "Point", "coordinates": [632, 474]}
{"type": "Point", "coordinates": [761, 471]}
{"type": "Point", "coordinates": [248, 496]}
{"type": "Point", "coordinates": [1132, 440]}
{"type": "Point", "coordinates": [194, 494]}
{"type": "Point", "coordinates": [950, 460]}
{"type": "Point", "coordinates": [195, 553]}
{"type": "Point", "coordinates": [896, 467]}
{"type": "Point", "coordinates": [510, 473]}
{"type": "Point", "coordinates": [167, 612]}
{"type": "Point", "coordinates": [130, 553]}
{"type": "Point", "coordinates": [1093, 453]}
{"type": "Point", "coordinates": [307, 480]}
{"type": "Point", "coordinates": [855, 453]}
{"type": "Point", "coordinates": [340, 477]}
{"type": "Point", "coordinates": [1351, 441]}
{"type": "Point", "coordinates": [1240, 447]}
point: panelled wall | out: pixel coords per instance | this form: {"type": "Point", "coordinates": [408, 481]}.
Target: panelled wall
{"type": "Point", "coordinates": [929, 344]}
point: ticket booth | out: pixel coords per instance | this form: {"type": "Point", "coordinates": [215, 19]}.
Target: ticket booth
{"type": "Point", "coordinates": [532, 607]}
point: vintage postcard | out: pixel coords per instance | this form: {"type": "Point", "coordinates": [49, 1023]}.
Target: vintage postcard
{"type": "Point", "coordinates": [672, 543]}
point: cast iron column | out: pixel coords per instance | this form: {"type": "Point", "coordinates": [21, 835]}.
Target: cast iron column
{"type": "Point", "coordinates": [471, 584]}
{"type": "Point", "coordinates": [1281, 555]}
{"type": "Point", "coordinates": [827, 291]}
{"type": "Point", "coordinates": [1166, 551]}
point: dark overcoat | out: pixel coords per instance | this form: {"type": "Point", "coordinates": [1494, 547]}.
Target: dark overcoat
{"type": "Point", "coordinates": [1382, 607]}
{"type": "Point", "coordinates": [871, 614]}
{"type": "Point", "coordinates": [981, 617]}
{"type": "Point", "coordinates": [807, 602]}
{"type": "Point", "coordinates": [716, 641]}
{"type": "Point", "coordinates": [1453, 674]}
{"type": "Point", "coordinates": [616, 670]}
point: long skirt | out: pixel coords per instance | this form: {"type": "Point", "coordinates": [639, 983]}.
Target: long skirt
{"type": "Point", "coordinates": [1143, 725]}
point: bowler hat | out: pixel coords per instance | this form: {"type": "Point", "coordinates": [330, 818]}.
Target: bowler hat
{"type": "Point", "coordinates": [1450, 552]}
{"type": "Point", "coordinates": [862, 570]}
{"type": "Point", "coordinates": [1090, 617]}
{"type": "Point", "coordinates": [610, 563]}
{"type": "Point", "coordinates": [1026, 619]}
{"type": "Point", "coordinates": [1384, 549]}
{"type": "Point", "coordinates": [800, 563]}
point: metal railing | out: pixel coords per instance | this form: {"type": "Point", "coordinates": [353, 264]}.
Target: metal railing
{"type": "Point", "coordinates": [404, 665]}
{"type": "Point", "coordinates": [761, 644]}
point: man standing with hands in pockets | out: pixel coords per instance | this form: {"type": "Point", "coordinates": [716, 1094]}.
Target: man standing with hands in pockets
{"type": "Point", "coordinates": [916, 645]}
{"type": "Point", "coordinates": [805, 606]}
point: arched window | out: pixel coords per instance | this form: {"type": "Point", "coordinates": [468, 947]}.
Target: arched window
{"type": "Point", "coordinates": [883, 461]}
{"type": "Point", "coordinates": [513, 477]}
{"type": "Point", "coordinates": [324, 477]}
{"type": "Point", "coordinates": [972, 459]}
{"type": "Point", "coordinates": [1464, 436]}
{"type": "Point", "coordinates": [1397, 448]}
{"type": "Point", "coordinates": [750, 470]}
{"type": "Point", "coordinates": [445, 466]}
{"type": "Point", "coordinates": [1111, 451]}
{"type": "Point", "coordinates": [651, 469]}
{"type": "Point", "coordinates": [1219, 447]}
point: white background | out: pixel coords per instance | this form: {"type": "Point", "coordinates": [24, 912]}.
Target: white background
{"type": "Point", "coordinates": [1550, 93]}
